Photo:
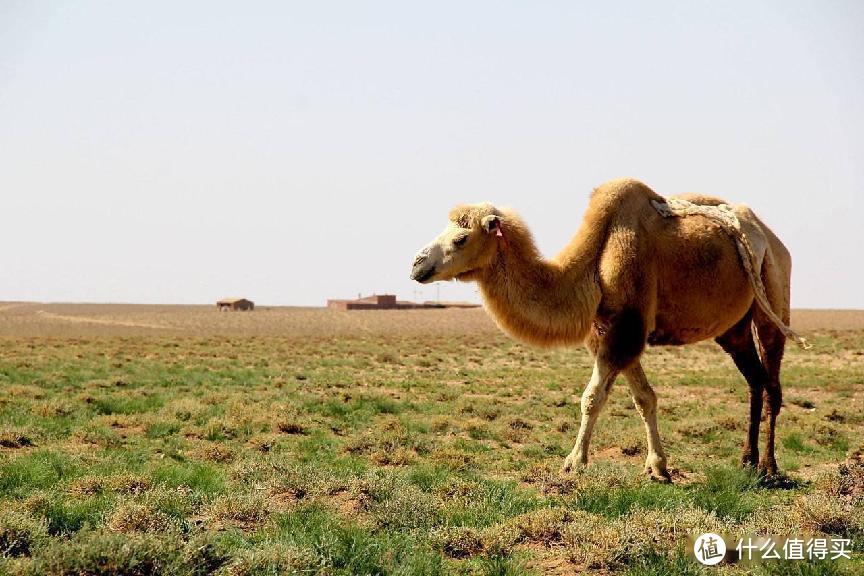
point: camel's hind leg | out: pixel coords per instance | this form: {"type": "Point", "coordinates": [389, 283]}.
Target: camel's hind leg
{"type": "Point", "coordinates": [646, 403]}
{"type": "Point", "coordinates": [772, 342]}
{"type": "Point", "coordinates": [771, 345]}
{"type": "Point", "coordinates": [738, 342]}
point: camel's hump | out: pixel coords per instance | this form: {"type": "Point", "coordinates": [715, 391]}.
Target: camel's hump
{"type": "Point", "coordinates": [617, 192]}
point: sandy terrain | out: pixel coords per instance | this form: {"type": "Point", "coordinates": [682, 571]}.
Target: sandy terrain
{"type": "Point", "coordinates": [74, 320]}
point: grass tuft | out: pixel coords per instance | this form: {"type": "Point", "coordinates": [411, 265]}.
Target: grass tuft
{"type": "Point", "coordinates": [655, 564]}
{"type": "Point", "coordinates": [15, 439]}
{"type": "Point", "coordinates": [66, 516]}
{"type": "Point", "coordinates": [104, 553]}
{"type": "Point", "coordinates": [20, 533]}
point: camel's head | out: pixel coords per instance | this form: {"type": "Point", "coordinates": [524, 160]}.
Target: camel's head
{"type": "Point", "coordinates": [467, 245]}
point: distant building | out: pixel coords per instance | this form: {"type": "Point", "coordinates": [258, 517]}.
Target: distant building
{"type": "Point", "coordinates": [235, 304]}
{"type": "Point", "coordinates": [389, 302]}
{"type": "Point", "coordinates": [376, 302]}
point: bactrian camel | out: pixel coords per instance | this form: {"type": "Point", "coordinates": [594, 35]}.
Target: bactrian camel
{"type": "Point", "coordinates": [641, 269]}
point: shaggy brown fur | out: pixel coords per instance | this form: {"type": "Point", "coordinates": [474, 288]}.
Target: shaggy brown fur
{"type": "Point", "coordinates": [628, 277]}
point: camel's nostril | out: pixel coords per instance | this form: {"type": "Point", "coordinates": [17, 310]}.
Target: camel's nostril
{"type": "Point", "coordinates": [421, 256]}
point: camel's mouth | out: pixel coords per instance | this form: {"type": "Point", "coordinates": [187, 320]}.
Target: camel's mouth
{"type": "Point", "coordinates": [423, 275]}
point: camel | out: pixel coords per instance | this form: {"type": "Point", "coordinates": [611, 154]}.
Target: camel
{"type": "Point", "coordinates": [641, 269]}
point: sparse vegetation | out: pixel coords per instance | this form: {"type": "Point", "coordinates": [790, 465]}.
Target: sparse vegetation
{"type": "Point", "coordinates": [396, 448]}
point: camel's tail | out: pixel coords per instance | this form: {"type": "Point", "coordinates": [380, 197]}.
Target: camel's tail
{"type": "Point", "coordinates": [723, 215]}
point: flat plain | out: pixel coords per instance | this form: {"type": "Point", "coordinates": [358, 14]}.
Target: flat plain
{"type": "Point", "coordinates": [181, 440]}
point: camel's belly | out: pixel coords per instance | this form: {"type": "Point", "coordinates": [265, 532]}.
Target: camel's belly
{"type": "Point", "coordinates": [688, 321]}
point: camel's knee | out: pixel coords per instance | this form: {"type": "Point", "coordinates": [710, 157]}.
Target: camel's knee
{"type": "Point", "coordinates": [775, 398]}
{"type": "Point", "coordinates": [756, 389]}
{"type": "Point", "coordinates": [643, 394]}
{"type": "Point", "coordinates": [646, 399]}
{"type": "Point", "coordinates": [592, 400]}
{"type": "Point", "coordinates": [776, 403]}
{"type": "Point", "coordinates": [598, 388]}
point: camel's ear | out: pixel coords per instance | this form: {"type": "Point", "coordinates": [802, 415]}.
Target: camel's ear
{"type": "Point", "coordinates": [491, 223]}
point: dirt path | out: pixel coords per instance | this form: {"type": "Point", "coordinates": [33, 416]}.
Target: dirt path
{"type": "Point", "coordinates": [86, 320]}
{"type": "Point", "coordinates": [5, 307]}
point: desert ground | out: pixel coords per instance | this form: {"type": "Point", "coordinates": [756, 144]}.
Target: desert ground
{"type": "Point", "coordinates": [181, 440]}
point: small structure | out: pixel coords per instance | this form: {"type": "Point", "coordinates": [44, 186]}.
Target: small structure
{"type": "Point", "coordinates": [389, 302]}
{"type": "Point", "coordinates": [235, 304]}
{"type": "Point", "coordinates": [374, 302]}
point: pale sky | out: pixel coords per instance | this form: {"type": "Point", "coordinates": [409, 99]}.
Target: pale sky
{"type": "Point", "coordinates": [178, 152]}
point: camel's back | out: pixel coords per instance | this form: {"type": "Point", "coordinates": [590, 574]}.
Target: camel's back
{"type": "Point", "coordinates": [701, 199]}
{"type": "Point", "coordinates": [764, 242]}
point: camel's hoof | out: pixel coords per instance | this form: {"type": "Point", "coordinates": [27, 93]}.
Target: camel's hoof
{"type": "Point", "coordinates": [571, 464]}
{"type": "Point", "coordinates": [767, 468]}
{"type": "Point", "coordinates": [660, 475]}
{"type": "Point", "coordinates": [655, 468]}
{"type": "Point", "coordinates": [750, 461]}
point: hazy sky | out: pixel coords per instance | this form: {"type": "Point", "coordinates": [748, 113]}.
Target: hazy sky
{"type": "Point", "coordinates": [294, 151]}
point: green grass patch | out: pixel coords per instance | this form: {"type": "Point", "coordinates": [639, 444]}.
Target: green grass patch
{"type": "Point", "coordinates": [655, 564]}
{"type": "Point", "coordinates": [41, 469]}
{"type": "Point", "coordinates": [66, 516]}
{"type": "Point", "coordinates": [104, 553]}
{"type": "Point", "coordinates": [124, 405]}
{"type": "Point", "coordinates": [202, 478]}
{"type": "Point", "coordinates": [347, 549]}
{"type": "Point", "coordinates": [617, 502]}
{"type": "Point", "coordinates": [483, 502]}
{"type": "Point", "coordinates": [416, 453]}
{"type": "Point", "coordinates": [794, 442]}
{"type": "Point", "coordinates": [731, 493]}
{"type": "Point", "coordinates": [162, 429]}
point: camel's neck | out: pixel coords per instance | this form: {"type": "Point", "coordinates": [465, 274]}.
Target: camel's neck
{"type": "Point", "coordinates": [537, 300]}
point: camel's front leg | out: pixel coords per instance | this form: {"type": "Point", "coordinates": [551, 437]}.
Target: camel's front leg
{"type": "Point", "coordinates": [646, 403]}
{"type": "Point", "coordinates": [593, 398]}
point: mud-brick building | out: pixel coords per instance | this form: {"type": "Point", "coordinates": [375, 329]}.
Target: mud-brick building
{"type": "Point", "coordinates": [389, 302]}
{"type": "Point", "coordinates": [375, 302]}
{"type": "Point", "coordinates": [235, 305]}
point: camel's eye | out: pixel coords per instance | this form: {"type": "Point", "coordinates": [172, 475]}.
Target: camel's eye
{"type": "Point", "coordinates": [460, 241]}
